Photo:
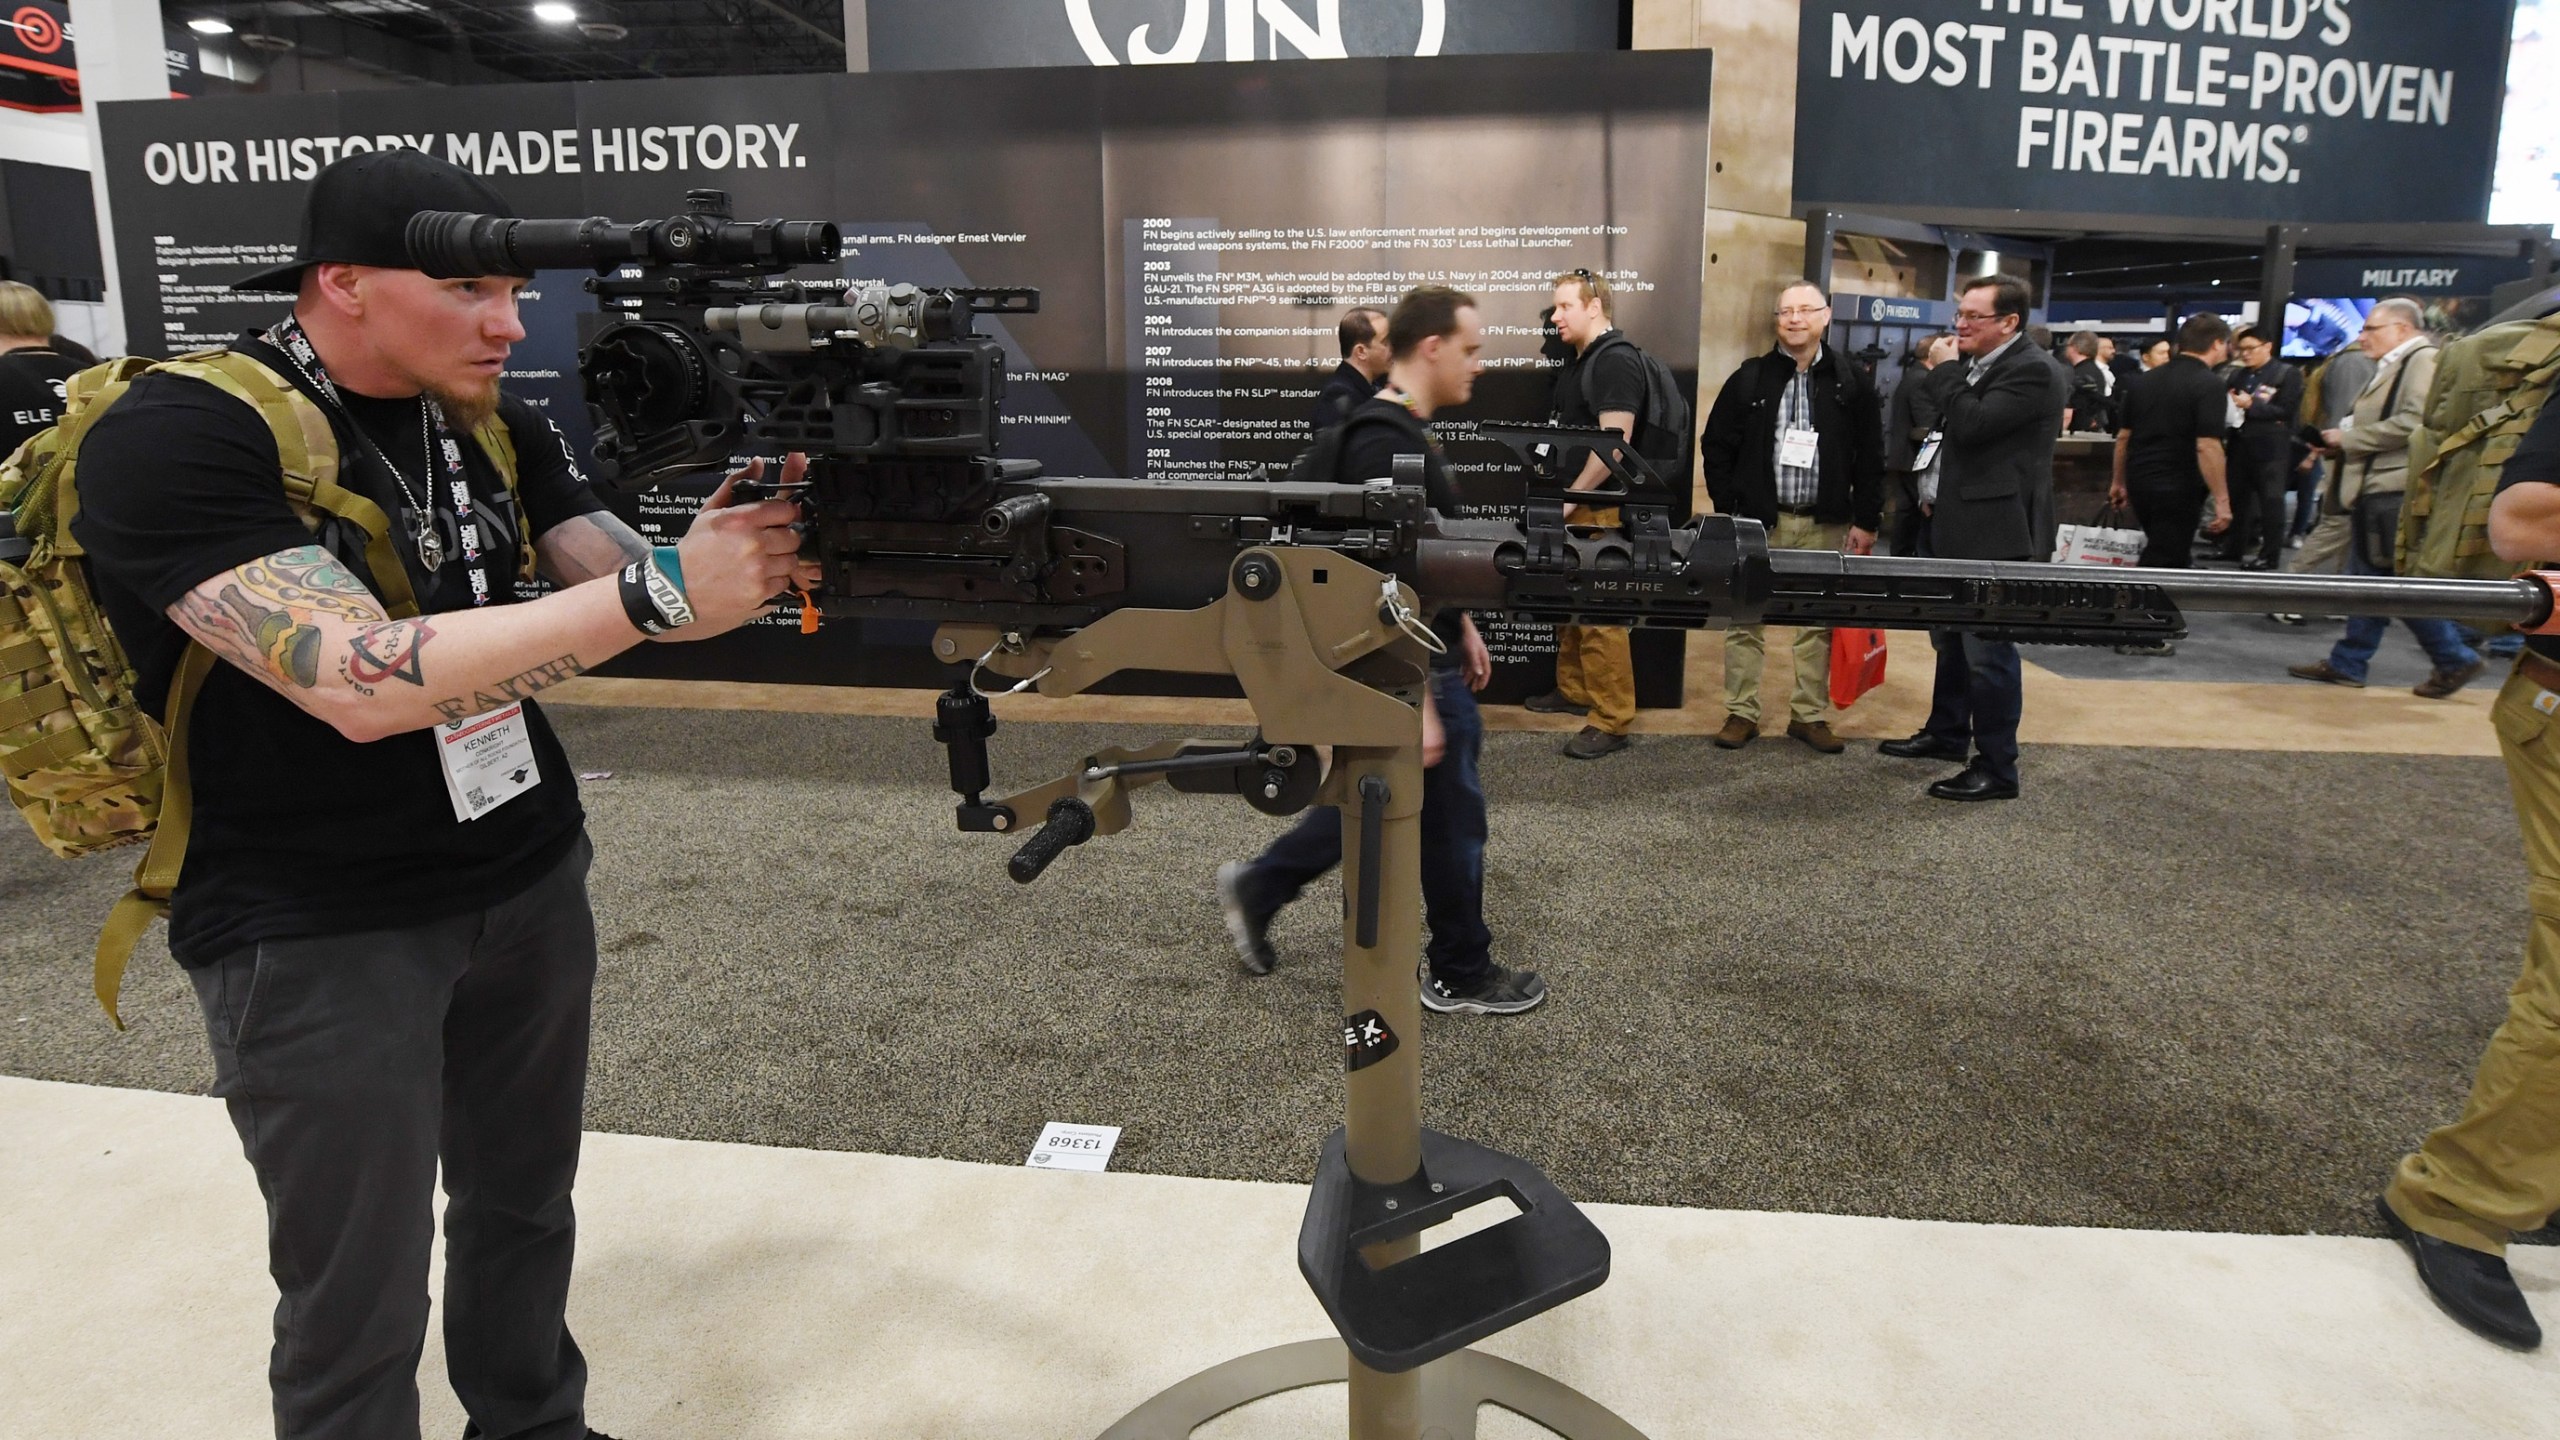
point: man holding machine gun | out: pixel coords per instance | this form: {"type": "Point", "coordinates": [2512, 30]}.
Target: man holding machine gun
{"type": "Point", "coordinates": [1436, 344]}
{"type": "Point", "coordinates": [2494, 1173]}
{"type": "Point", "coordinates": [383, 908]}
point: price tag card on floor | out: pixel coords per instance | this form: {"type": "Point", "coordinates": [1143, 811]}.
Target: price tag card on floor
{"type": "Point", "coordinates": [1074, 1147]}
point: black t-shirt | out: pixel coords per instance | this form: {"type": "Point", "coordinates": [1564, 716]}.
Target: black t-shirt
{"type": "Point", "coordinates": [2166, 411]}
{"type": "Point", "coordinates": [31, 392]}
{"type": "Point", "coordinates": [1380, 431]}
{"type": "Point", "coordinates": [1615, 382]}
{"type": "Point", "coordinates": [1605, 377]}
{"type": "Point", "coordinates": [2537, 462]}
{"type": "Point", "coordinates": [299, 830]}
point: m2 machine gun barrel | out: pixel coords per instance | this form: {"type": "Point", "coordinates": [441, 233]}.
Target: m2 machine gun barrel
{"type": "Point", "coordinates": [712, 348]}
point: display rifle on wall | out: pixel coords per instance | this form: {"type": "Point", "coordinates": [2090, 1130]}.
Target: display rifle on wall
{"type": "Point", "coordinates": [1311, 595]}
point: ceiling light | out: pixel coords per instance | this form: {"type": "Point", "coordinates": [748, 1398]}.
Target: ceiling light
{"type": "Point", "coordinates": [603, 30]}
{"type": "Point", "coordinates": [555, 14]}
{"type": "Point", "coordinates": [210, 27]}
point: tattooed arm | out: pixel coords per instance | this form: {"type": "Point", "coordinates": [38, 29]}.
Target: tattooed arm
{"type": "Point", "coordinates": [301, 623]}
{"type": "Point", "coordinates": [585, 546]}
{"type": "Point", "coordinates": [307, 628]}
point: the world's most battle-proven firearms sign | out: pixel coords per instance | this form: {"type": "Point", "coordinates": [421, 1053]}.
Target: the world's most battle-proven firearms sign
{"type": "Point", "coordinates": [2274, 110]}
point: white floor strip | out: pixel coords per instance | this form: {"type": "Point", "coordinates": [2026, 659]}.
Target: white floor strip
{"type": "Point", "coordinates": [735, 1291]}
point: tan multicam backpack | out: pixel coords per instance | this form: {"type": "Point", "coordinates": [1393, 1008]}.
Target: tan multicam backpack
{"type": "Point", "coordinates": [2489, 388]}
{"type": "Point", "coordinates": [85, 764]}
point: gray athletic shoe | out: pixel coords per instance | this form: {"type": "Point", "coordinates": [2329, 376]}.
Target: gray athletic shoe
{"type": "Point", "coordinates": [1592, 742]}
{"type": "Point", "coordinates": [1250, 932]}
{"type": "Point", "coordinates": [1503, 991]}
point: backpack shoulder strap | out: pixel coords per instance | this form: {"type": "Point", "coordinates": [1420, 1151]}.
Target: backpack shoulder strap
{"type": "Point", "coordinates": [307, 452]}
{"type": "Point", "coordinates": [499, 444]}
{"type": "Point", "coordinates": [1587, 370]}
{"type": "Point", "coordinates": [157, 874]}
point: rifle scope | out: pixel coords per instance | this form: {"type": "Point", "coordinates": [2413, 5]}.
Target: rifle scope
{"type": "Point", "coordinates": [451, 244]}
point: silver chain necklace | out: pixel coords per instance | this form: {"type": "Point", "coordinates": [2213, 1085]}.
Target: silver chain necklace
{"type": "Point", "coordinates": [424, 535]}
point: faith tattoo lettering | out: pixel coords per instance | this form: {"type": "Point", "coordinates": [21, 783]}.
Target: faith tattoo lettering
{"type": "Point", "coordinates": [515, 687]}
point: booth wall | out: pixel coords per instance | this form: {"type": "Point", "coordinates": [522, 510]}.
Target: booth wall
{"type": "Point", "coordinates": [1195, 237]}
{"type": "Point", "coordinates": [1752, 240]}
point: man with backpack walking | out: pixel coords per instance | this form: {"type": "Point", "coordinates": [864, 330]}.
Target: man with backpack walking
{"type": "Point", "coordinates": [2371, 451]}
{"type": "Point", "coordinates": [1609, 385]}
{"type": "Point", "coordinates": [309, 546]}
{"type": "Point", "coordinates": [1436, 342]}
{"type": "Point", "coordinates": [1794, 441]}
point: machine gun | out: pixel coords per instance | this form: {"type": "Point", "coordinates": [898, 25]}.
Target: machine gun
{"type": "Point", "coordinates": [1310, 594]}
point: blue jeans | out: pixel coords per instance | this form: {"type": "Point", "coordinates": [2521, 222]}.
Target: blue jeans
{"type": "Point", "coordinates": [2306, 499]}
{"type": "Point", "coordinates": [1976, 700]}
{"type": "Point", "coordinates": [2441, 639]}
{"type": "Point", "coordinates": [1453, 831]}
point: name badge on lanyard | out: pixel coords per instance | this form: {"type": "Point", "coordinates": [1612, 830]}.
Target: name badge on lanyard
{"type": "Point", "coordinates": [1928, 455]}
{"type": "Point", "coordinates": [1797, 448]}
{"type": "Point", "coordinates": [487, 760]}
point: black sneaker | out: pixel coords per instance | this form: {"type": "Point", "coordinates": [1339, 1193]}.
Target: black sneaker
{"type": "Point", "coordinates": [1251, 932]}
{"type": "Point", "coordinates": [1553, 703]}
{"type": "Point", "coordinates": [1502, 991]}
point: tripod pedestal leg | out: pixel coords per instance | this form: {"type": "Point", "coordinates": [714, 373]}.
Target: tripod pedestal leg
{"type": "Point", "coordinates": [1380, 794]}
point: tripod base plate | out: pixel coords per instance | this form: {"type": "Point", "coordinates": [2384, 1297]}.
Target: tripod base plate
{"type": "Point", "coordinates": [1452, 1389]}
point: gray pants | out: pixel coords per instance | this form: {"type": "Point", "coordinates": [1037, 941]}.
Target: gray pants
{"type": "Point", "coordinates": [351, 1064]}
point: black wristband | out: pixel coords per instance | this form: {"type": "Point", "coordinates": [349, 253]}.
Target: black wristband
{"type": "Point", "coordinates": [637, 607]}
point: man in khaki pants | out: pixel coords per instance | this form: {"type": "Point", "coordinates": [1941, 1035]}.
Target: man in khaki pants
{"type": "Point", "coordinates": [1603, 387]}
{"type": "Point", "coordinates": [2495, 1173]}
{"type": "Point", "coordinates": [1796, 442]}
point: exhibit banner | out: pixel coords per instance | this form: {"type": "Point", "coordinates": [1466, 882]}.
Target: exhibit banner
{"type": "Point", "coordinates": [1195, 242]}
{"type": "Point", "coordinates": [2264, 110]}
{"type": "Point", "coordinates": [992, 34]}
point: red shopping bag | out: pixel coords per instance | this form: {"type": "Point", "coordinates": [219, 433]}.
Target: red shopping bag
{"type": "Point", "coordinates": [1857, 665]}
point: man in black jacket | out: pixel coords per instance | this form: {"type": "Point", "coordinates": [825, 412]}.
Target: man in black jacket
{"type": "Point", "coordinates": [1363, 333]}
{"type": "Point", "coordinates": [1911, 418]}
{"type": "Point", "coordinates": [2093, 388]}
{"type": "Point", "coordinates": [2269, 394]}
{"type": "Point", "coordinates": [1992, 499]}
{"type": "Point", "coordinates": [1795, 441]}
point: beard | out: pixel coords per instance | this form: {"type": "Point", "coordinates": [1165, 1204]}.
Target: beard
{"type": "Point", "coordinates": [468, 409]}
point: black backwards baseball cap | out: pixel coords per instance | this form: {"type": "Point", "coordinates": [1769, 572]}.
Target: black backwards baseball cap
{"type": "Point", "coordinates": [358, 209]}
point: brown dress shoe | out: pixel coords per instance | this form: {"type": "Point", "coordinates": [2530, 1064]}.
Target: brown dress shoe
{"type": "Point", "coordinates": [1816, 733]}
{"type": "Point", "coordinates": [2320, 670]}
{"type": "Point", "coordinates": [1737, 732]}
{"type": "Point", "coordinates": [2444, 684]}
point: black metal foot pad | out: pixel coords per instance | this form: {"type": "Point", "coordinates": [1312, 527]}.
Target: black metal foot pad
{"type": "Point", "coordinates": [1414, 1311]}
{"type": "Point", "coordinates": [1454, 1388]}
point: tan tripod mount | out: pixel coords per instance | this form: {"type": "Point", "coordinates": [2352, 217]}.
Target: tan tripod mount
{"type": "Point", "coordinates": [1326, 651]}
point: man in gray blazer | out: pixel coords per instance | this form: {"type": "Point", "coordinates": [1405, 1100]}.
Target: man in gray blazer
{"type": "Point", "coordinates": [1990, 499]}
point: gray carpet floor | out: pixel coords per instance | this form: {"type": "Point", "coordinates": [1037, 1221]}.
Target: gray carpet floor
{"type": "Point", "coordinates": [2168, 989]}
